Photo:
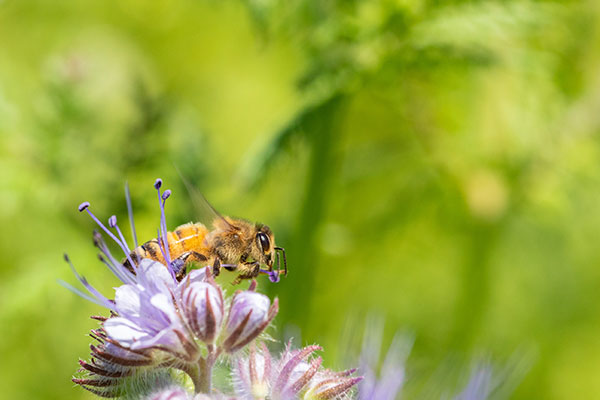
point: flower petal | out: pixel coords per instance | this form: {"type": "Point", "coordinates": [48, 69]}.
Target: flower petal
{"type": "Point", "coordinates": [127, 299]}
{"type": "Point", "coordinates": [124, 331]}
{"type": "Point", "coordinates": [154, 275]}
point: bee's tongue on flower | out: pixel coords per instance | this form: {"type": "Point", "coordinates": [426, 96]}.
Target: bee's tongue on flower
{"type": "Point", "coordinates": [274, 276]}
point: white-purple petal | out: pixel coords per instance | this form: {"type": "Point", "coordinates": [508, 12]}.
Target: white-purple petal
{"type": "Point", "coordinates": [127, 300]}
{"type": "Point", "coordinates": [154, 276]}
{"type": "Point", "coordinates": [124, 331]}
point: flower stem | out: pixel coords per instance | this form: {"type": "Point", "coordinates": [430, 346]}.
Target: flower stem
{"type": "Point", "coordinates": [194, 373]}
{"type": "Point", "coordinates": [204, 384]}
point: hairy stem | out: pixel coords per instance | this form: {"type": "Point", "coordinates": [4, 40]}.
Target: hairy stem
{"type": "Point", "coordinates": [204, 384]}
{"type": "Point", "coordinates": [195, 373]}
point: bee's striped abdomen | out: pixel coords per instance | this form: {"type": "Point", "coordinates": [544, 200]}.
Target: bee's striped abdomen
{"type": "Point", "coordinates": [184, 239]}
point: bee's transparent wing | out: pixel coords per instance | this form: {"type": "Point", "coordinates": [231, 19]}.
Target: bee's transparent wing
{"type": "Point", "coordinates": [203, 210]}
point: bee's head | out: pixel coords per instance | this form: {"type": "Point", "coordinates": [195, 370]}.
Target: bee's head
{"type": "Point", "coordinates": [265, 242]}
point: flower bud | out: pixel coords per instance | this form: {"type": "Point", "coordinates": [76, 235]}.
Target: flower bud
{"type": "Point", "coordinates": [249, 315]}
{"type": "Point", "coordinates": [254, 374]}
{"type": "Point", "coordinates": [204, 310]}
{"type": "Point", "coordinates": [330, 385]}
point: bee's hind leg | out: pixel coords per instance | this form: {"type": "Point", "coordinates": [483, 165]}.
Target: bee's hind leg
{"type": "Point", "coordinates": [180, 263]}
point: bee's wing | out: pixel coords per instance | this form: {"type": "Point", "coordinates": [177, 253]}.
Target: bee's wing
{"type": "Point", "coordinates": [204, 211]}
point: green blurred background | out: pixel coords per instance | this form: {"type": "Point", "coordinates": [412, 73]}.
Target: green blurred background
{"type": "Point", "coordinates": [435, 163]}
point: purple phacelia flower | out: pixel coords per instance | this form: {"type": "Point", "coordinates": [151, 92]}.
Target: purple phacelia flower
{"type": "Point", "coordinates": [148, 317]}
{"type": "Point", "coordinates": [392, 372]}
{"type": "Point", "coordinates": [479, 386]}
{"type": "Point", "coordinates": [159, 322]}
{"type": "Point", "coordinates": [295, 375]}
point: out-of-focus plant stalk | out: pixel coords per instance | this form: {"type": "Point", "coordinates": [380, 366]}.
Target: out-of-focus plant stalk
{"type": "Point", "coordinates": [318, 185]}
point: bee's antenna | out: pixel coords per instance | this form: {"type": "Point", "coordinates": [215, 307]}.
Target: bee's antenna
{"type": "Point", "coordinates": [284, 260]}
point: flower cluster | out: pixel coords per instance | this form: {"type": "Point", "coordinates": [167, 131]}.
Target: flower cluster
{"type": "Point", "coordinates": [159, 324]}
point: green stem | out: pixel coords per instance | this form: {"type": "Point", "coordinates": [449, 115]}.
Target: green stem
{"type": "Point", "coordinates": [321, 170]}
{"type": "Point", "coordinates": [194, 373]}
{"type": "Point", "coordinates": [205, 382]}
{"type": "Point", "coordinates": [201, 374]}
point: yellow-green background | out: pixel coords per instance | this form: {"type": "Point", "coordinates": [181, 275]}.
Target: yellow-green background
{"type": "Point", "coordinates": [435, 163]}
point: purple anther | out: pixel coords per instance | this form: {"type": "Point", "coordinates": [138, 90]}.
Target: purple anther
{"type": "Point", "coordinates": [158, 183]}
{"type": "Point", "coordinates": [112, 221]}
{"type": "Point", "coordinates": [166, 194]}
{"type": "Point", "coordinates": [83, 206]}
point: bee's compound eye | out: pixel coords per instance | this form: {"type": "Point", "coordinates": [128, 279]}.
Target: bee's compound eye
{"type": "Point", "coordinates": [263, 239]}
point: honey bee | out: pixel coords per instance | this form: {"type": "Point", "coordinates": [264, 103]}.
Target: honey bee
{"type": "Point", "coordinates": [234, 244]}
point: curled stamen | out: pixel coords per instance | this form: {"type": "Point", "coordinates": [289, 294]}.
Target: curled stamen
{"type": "Point", "coordinates": [112, 221]}
{"type": "Point", "coordinates": [166, 194]}
{"type": "Point", "coordinates": [83, 206]}
{"type": "Point", "coordinates": [157, 183]}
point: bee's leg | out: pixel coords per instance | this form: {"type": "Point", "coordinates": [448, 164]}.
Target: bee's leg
{"type": "Point", "coordinates": [136, 258]}
{"type": "Point", "coordinates": [181, 262]}
{"type": "Point", "coordinates": [127, 265]}
{"type": "Point", "coordinates": [255, 269]}
{"type": "Point", "coordinates": [179, 268]}
{"type": "Point", "coordinates": [237, 280]}
{"type": "Point", "coordinates": [193, 256]}
{"type": "Point", "coordinates": [250, 270]}
{"type": "Point", "coordinates": [246, 271]}
{"type": "Point", "coordinates": [216, 268]}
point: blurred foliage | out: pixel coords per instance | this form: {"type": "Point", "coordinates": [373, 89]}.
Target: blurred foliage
{"type": "Point", "coordinates": [432, 162]}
